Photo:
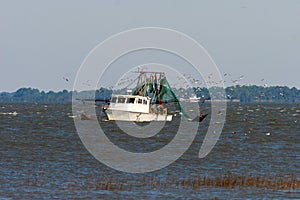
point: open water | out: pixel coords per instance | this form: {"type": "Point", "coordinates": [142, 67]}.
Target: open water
{"type": "Point", "coordinates": [42, 156]}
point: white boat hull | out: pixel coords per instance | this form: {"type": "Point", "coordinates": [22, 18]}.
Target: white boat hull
{"type": "Point", "coordinates": [119, 115]}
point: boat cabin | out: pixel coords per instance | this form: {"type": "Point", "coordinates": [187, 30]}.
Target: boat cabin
{"type": "Point", "coordinates": [131, 103]}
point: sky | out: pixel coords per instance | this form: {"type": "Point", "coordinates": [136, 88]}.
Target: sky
{"type": "Point", "coordinates": [43, 41]}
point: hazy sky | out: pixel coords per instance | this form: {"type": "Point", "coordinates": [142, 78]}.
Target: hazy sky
{"type": "Point", "coordinates": [43, 41]}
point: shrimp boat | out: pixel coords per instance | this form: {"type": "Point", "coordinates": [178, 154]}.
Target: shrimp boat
{"type": "Point", "coordinates": [147, 102]}
{"type": "Point", "coordinates": [135, 108]}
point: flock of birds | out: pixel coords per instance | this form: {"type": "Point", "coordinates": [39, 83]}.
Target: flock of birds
{"type": "Point", "coordinates": [187, 81]}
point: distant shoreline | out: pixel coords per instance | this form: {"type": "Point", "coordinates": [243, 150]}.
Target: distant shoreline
{"type": "Point", "coordinates": [239, 94]}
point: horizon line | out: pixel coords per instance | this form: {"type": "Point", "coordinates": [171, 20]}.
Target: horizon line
{"type": "Point", "coordinates": [60, 90]}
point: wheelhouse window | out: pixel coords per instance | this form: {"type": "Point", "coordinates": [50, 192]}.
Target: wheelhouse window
{"type": "Point", "coordinates": [114, 100]}
{"type": "Point", "coordinates": [121, 100]}
{"type": "Point", "coordinates": [131, 100]}
{"type": "Point", "coordinates": [144, 101]}
{"type": "Point", "coordinates": [140, 101]}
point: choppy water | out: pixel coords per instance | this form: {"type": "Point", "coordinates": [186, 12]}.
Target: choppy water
{"type": "Point", "coordinates": [43, 157]}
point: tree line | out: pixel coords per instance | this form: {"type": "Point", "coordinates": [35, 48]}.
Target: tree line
{"type": "Point", "coordinates": [234, 93]}
{"type": "Point", "coordinates": [248, 94]}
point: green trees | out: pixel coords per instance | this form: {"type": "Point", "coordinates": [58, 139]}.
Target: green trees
{"type": "Point", "coordinates": [241, 93]}
{"type": "Point", "coordinates": [261, 94]}
{"type": "Point", "coordinates": [34, 95]}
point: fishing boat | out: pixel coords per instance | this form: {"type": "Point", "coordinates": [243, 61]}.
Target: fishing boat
{"type": "Point", "coordinates": [152, 99]}
{"type": "Point", "coordinates": [144, 103]}
{"type": "Point", "coordinates": [191, 99]}
{"type": "Point", "coordinates": [136, 108]}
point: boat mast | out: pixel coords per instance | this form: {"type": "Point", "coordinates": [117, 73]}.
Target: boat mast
{"type": "Point", "coordinates": [147, 78]}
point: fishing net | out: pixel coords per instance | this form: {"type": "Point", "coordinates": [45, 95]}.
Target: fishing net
{"type": "Point", "coordinates": [160, 92]}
